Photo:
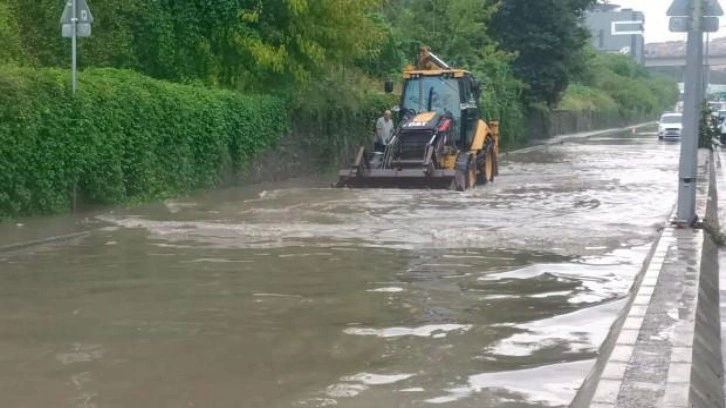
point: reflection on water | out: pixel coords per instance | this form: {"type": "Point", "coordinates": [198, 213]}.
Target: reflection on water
{"type": "Point", "coordinates": [315, 297]}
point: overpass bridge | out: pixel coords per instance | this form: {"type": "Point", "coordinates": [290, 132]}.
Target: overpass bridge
{"type": "Point", "coordinates": [680, 61]}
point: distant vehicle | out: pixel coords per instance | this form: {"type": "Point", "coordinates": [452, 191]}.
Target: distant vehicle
{"type": "Point", "coordinates": [670, 126]}
{"type": "Point", "coordinates": [716, 107]}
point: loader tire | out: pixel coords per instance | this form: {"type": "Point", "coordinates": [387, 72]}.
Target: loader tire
{"type": "Point", "coordinates": [466, 174]}
{"type": "Point", "coordinates": [495, 162]}
{"type": "Point", "coordinates": [486, 164]}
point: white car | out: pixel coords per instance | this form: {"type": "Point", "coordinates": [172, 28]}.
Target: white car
{"type": "Point", "coordinates": [670, 126]}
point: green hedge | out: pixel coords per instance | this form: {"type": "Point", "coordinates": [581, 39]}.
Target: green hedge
{"type": "Point", "coordinates": [122, 137]}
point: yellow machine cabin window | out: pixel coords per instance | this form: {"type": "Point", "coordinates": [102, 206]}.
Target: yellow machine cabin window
{"type": "Point", "coordinates": [432, 94]}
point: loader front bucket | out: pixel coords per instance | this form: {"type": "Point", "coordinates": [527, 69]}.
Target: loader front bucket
{"type": "Point", "coordinates": [403, 179]}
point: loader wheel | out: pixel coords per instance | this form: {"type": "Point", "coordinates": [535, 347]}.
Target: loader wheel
{"type": "Point", "coordinates": [472, 175]}
{"type": "Point", "coordinates": [466, 174]}
{"type": "Point", "coordinates": [492, 158]}
{"type": "Point", "coordinates": [486, 163]}
{"type": "Point", "coordinates": [495, 161]}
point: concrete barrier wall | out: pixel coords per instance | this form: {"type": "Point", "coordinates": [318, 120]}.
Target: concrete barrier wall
{"type": "Point", "coordinates": [298, 155]}
{"type": "Point", "coordinates": [707, 369]}
{"type": "Point", "coordinates": [707, 365]}
{"type": "Point", "coordinates": [543, 125]}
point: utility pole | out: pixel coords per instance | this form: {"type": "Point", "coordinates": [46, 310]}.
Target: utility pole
{"type": "Point", "coordinates": [688, 168]}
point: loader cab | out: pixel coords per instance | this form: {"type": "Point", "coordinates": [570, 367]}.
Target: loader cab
{"type": "Point", "coordinates": [453, 93]}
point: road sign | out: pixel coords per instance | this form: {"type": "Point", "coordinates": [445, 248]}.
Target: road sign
{"type": "Point", "coordinates": [683, 8]}
{"type": "Point", "coordinates": [83, 13]}
{"type": "Point", "coordinates": [683, 24]}
{"type": "Point", "coordinates": [82, 30]}
{"type": "Point", "coordinates": [634, 27]}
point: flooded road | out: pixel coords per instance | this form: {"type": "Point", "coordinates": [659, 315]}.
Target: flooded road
{"type": "Point", "coordinates": [317, 297]}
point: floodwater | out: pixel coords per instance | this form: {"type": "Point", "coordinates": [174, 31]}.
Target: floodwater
{"type": "Point", "coordinates": [307, 296]}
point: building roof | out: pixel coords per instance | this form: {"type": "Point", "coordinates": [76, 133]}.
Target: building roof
{"type": "Point", "coordinates": [605, 7]}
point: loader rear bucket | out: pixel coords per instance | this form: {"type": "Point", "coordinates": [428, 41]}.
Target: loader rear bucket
{"type": "Point", "coordinates": [403, 179]}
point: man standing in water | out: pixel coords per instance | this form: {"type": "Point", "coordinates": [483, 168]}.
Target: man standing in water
{"type": "Point", "coordinates": [384, 131]}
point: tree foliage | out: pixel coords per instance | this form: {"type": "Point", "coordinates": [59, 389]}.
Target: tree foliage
{"type": "Point", "coordinates": [456, 29]}
{"type": "Point", "coordinates": [244, 44]}
{"type": "Point", "coordinates": [275, 45]}
{"type": "Point", "coordinates": [11, 50]}
{"type": "Point", "coordinates": [548, 39]}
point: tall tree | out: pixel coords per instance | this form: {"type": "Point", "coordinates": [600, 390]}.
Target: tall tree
{"type": "Point", "coordinates": [548, 37]}
{"type": "Point", "coordinates": [454, 29]}
{"type": "Point", "coordinates": [303, 37]}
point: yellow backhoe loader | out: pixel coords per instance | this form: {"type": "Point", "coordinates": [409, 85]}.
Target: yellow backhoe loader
{"type": "Point", "coordinates": [440, 140]}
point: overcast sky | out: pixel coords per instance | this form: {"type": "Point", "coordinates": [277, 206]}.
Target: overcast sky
{"type": "Point", "coordinates": [656, 22]}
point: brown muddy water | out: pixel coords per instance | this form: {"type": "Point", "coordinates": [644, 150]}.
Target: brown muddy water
{"type": "Point", "coordinates": [307, 296]}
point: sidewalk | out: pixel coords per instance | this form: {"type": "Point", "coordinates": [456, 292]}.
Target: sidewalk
{"type": "Point", "coordinates": [665, 351]}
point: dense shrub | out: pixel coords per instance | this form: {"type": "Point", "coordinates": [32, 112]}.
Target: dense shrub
{"type": "Point", "coordinates": [614, 82]}
{"type": "Point", "coordinates": [123, 136]}
{"type": "Point", "coordinates": [584, 98]}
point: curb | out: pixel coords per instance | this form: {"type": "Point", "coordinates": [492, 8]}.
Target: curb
{"type": "Point", "coordinates": [584, 135]}
{"type": "Point", "coordinates": [587, 394]}
{"type": "Point", "coordinates": [51, 240]}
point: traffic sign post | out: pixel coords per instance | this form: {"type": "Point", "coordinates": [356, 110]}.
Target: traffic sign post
{"type": "Point", "coordinates": [76, 22]}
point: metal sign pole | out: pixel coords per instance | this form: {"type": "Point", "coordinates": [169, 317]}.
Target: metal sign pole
{"type": "Point", "coordinates": [688, 168]}
{"type": "Point", "coordinates": [74, 43]}
{"type": "Point", "coordinates": [76, 23]}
